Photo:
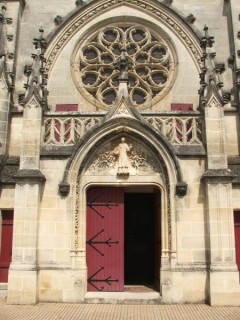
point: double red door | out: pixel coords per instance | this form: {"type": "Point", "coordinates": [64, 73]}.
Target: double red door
{"type": "Point", "coordinates": [105, 239]}
{"type": "Point", "coordinates": [6, 244]}
{"type": "Point", "coordinates": [123, 238]}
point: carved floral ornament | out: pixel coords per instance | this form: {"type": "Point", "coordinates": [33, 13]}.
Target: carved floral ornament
{"type": "Point", "coordinates": [151, 72]}
{"type": "Point", "coordinates": [123, 157]}
{"type": "Point", "coordinates": [102, 6]}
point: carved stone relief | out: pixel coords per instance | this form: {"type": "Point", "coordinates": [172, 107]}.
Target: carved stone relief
{"type": "Point", "coordinates": [123, 157]}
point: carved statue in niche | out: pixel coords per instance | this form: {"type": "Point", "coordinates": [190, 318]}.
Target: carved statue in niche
{"type": "Point", "coordinates": [122, 151]}
{"type": "Point", "coordinates": [123, 159]}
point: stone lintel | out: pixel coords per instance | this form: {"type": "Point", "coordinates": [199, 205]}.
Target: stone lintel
{"type": "Point", "coordinates": [218, 175]}
{"type": "Point", "coordinates": [30, 174]}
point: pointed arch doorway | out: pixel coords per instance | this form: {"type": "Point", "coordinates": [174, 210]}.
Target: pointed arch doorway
{"type": "Point", "coordinates": [123, 243]}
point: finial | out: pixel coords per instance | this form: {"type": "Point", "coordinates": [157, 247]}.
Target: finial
{"type": "Point", "coordinates": [123, 63]}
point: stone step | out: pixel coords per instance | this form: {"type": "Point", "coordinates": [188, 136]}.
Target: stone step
{"type": "Point", "coordinates": [3, 290]}
{"type": "Point", "coordinates": [123, 298]}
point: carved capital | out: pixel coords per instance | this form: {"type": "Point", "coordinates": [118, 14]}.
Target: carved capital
{"type": "Point", "coordinates": [64, 189]}
{"type": "Point", "coordinates": [181, 189]}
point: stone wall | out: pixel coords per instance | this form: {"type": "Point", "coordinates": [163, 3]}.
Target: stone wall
{"type": "Point", "coordinates": [197, 231]}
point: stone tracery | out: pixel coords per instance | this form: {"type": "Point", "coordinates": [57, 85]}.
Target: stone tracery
{"type": "Point", "coordinates": [152, 65]}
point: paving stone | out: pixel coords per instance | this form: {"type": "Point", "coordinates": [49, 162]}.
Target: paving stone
{"type": "Point", "coordinates": [53, 311]}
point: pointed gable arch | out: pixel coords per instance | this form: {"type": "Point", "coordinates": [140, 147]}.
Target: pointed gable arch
{"type": "Point", "coordinates": [95, 11]}
{"type": "Point", "coordinates": [115, 128]}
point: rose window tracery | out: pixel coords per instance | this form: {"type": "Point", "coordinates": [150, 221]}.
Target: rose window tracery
{"type": "Point", "coordinates": [151, 57]}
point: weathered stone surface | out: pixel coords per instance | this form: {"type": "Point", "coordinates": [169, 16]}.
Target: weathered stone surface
{"type": "Point", "coordinates": [49, 159]}
{"type": "Point", "coordinates": [9, 171]}
{"type": "Point", "coordinates": [31, 174]}
{"type": "Point", "coordinates": [234, 166]}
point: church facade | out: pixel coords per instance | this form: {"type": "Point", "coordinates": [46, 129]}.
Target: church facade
{"type": "Point", "coordinates": [119, 139]}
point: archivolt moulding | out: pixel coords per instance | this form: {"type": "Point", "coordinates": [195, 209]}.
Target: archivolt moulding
{"type": "Point", "coordinates": [78, 163]}
{"type": "Point", "coordinates": [159, 11]}
{"type": "Point", "coordinates": [155, 164]}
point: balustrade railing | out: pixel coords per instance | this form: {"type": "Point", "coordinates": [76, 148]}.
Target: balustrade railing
{"type": "Point", "coordinates": [62, 130]}
{"type": "Point", "coordinates": [178, 130]}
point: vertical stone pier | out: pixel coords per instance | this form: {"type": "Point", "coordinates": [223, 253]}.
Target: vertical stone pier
{"type": "Point", "coordinates": [22, 287]}
{"type": "Point", "coordinates": [223, 285]}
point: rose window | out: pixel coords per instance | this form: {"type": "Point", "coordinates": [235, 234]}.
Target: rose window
{"type": "Point", "coordinates": [150, 56]}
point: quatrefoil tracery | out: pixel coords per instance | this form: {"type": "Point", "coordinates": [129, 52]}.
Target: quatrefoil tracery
{"type": "Point", "coordinates": [151, 72]}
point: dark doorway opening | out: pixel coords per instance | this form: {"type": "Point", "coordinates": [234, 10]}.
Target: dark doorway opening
{"type": "Point", "coordinates": [139, 215]}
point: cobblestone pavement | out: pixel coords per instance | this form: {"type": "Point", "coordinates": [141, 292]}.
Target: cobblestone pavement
{"type": "Point", "coordinates": [54, 311]}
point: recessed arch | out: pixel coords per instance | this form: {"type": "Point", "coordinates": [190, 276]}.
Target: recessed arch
{"type": "Point", "coordinates": [133, 130]}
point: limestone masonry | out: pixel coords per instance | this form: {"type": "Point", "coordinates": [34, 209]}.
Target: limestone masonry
{"type": "Point", "coordinates": [119, 149]}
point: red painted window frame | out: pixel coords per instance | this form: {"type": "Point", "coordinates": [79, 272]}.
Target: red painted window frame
{"type": "Point", "coordinates": [181, 107]}
{"type": "Point", "coordinates": [66, 107]}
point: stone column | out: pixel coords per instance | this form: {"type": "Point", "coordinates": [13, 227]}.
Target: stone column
{"type": "Point", "coordinates": [223, 286]}
{"type": "Point", "coordinates": [22, 285]}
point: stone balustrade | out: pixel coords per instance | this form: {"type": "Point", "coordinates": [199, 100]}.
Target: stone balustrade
{"type": "Point", "coordinates": [64, 129]}
{"type": "Point", "coordinates": [185, 130]}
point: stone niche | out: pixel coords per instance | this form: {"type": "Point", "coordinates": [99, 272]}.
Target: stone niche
{"type": "Point", "coordinates": [123, 157]}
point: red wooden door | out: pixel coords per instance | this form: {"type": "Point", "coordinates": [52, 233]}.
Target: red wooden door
{"type": "Point", "coordinates": [105, 239]}
{"type": "Point", "coordinates": [237, 236]}
{"type": "Point", "coordinates": [6, 244]}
